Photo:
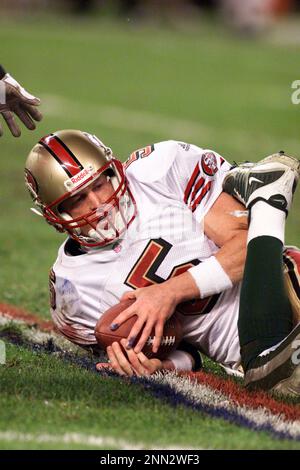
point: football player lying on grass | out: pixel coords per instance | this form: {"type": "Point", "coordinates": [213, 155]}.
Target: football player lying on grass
{"type": "Point", "coordinates": [165, 229]}
{"type": "Point", "coordinates": [14, 99]}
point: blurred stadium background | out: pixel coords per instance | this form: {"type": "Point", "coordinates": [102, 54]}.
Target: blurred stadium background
{"type": "Point", "coordinates": [215, 73]}
{"type": "Point", "coordinates": [247, 15]}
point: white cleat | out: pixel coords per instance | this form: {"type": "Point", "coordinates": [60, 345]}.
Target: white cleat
{"type": "Point", "coordinates": [273, 180]}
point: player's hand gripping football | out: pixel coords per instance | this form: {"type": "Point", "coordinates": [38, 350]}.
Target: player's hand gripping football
{"type": "Point", "coordinates": [16, 100]}
{"type": "Point", "coordinates": [131, 363]}
{"type": "Point", "coordinates": [153, 306]}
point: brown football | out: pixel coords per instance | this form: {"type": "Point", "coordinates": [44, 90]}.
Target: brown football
{"type": "Point", "coordinates": [172, 333]}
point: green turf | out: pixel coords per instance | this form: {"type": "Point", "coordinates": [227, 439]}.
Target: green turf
{"type": "Point", "coordinates": [201, 85]}
{"type": "Point", "coordinates": [41, 394]}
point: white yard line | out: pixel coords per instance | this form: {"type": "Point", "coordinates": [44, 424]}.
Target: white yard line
{"type": "Point", "coordinates": [202, 394]}
{"type": "Point", "coordinates": [82, 439]}
{"type": "Point", "coordinates": [122, 118]}
{"type": "Point", "coordinates": [165, 127]}
{"type": "Point", "coordinates": [36, 336]}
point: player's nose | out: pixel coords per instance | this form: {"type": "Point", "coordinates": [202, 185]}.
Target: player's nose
{"type": "Point", "coordinates": [94, 200]}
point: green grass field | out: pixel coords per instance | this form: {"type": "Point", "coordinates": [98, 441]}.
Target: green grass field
{"type": "Point", "coordinates": [131, 86]}
{"type": "Point", "coordinates": [44, 395]}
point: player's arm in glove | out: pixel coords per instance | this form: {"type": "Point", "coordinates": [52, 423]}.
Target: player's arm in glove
{"type": "Point", "coordinates": [16, 101]}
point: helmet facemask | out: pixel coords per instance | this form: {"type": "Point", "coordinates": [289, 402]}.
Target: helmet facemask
{"type": "Point", "coordinates": [108, 222]}
{"type": "Point", "coordinates": [112, 217]}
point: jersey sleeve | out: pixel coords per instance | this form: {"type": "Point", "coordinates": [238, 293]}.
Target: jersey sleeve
{"type": "Point", "coordinates": [200, 173]}
{"type": "Point", "coordinates": [66, 312]}
{"type": "Point", "coordinates": [185, 171]}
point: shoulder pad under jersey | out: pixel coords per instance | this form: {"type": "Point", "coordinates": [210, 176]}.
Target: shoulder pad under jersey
{"type": "Point", "coordinates": [151, 163]}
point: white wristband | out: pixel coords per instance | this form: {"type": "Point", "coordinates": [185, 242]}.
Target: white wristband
{"type": "Point", "coordinates": [210, 277]}
{"type": "Point", "coordinates": [181, 360]}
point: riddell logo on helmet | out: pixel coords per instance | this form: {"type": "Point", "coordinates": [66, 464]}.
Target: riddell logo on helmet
{"type": "Point", "coordinates": [79, 178]}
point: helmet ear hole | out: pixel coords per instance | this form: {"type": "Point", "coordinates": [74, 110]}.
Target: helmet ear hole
{"type": "Point", "coordinates": [66, 216]}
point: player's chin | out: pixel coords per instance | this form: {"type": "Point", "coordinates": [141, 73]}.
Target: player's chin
{"type": "Point", "coordinates": [84, 230]}
{"type": "Point", "coordinates": [99, 225]}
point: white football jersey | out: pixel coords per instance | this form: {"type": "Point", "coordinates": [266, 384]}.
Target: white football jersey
{"type": "Point", "coordinates": [174, 185]}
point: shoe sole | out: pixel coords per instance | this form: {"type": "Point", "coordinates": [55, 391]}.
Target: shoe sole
{"type": "Point", "coordinates": [284, 162]}
{"type": "Point", "coordinates": [289, 162]}
{"type": "Point", "coordinates": [289, 387]}
{"type": "Point", "coordinates": [278, 371]}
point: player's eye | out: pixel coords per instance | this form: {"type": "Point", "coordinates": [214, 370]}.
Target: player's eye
{"type": "Point", "coordinates": [77, 199]}
{"type": "Point", "coordinates": [98, 185]}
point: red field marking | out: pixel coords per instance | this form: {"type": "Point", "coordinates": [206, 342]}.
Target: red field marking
{"type": "Point", "coordinates": [17, 313]}
{"type": "Point", "coordinates": [241, 396]}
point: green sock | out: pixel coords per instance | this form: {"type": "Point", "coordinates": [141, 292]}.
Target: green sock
{"type": "Point", "coordinates": [265, 315]}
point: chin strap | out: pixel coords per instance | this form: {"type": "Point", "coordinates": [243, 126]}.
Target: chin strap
{"type": "Point", "coordinates": [36, 211]}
